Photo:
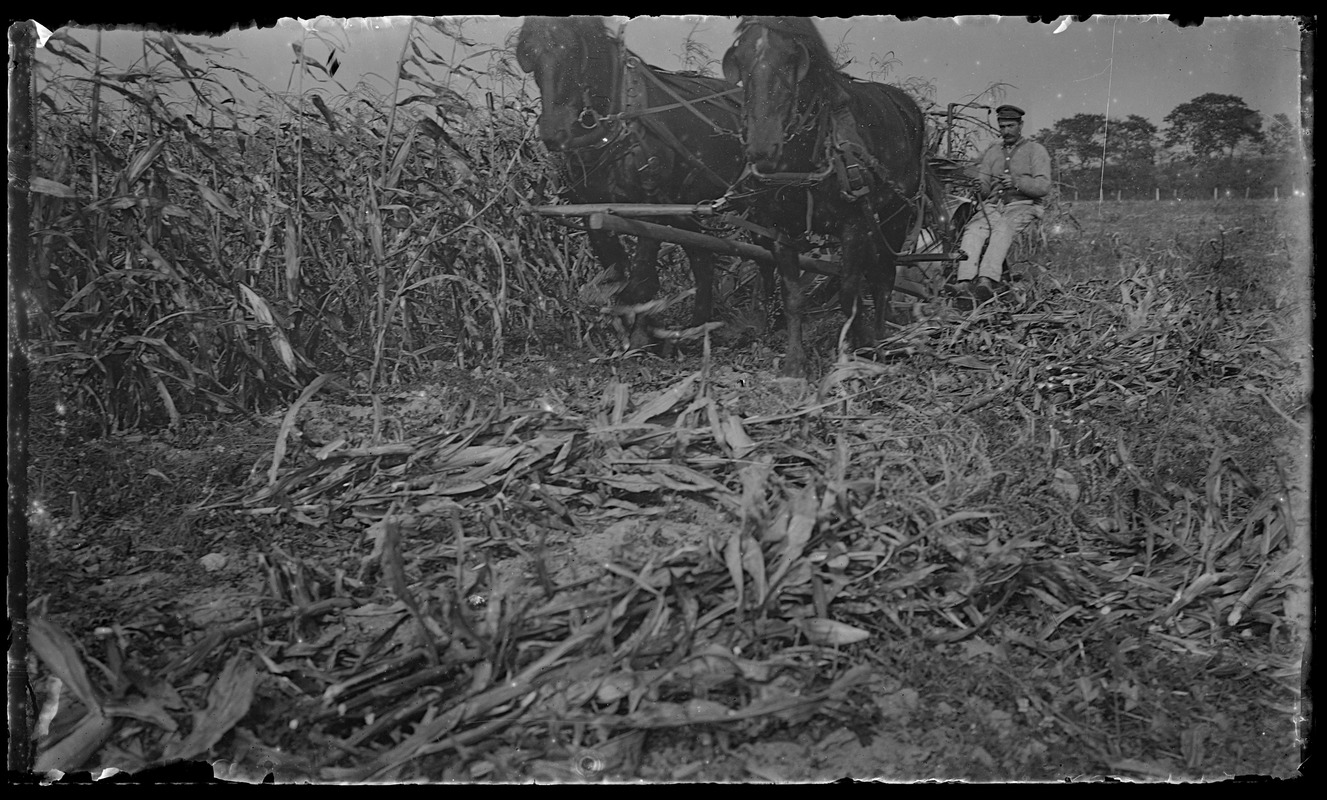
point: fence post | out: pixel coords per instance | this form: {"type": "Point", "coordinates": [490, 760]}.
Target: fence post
{"type": "Point", "coordinates": [1276, 194]}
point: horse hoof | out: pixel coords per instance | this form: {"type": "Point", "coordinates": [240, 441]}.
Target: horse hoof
{"type": "Point", "coordinates": [983, 290]}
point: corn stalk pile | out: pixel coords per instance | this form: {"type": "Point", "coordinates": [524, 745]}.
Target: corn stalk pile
{"type": "Point", "coordinates": [878, 509]}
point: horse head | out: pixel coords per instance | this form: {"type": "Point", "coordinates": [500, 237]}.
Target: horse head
{"type": "Point", "coordinates": [771, 65]}
{"type": "Point", "coordinates": [573, 63]}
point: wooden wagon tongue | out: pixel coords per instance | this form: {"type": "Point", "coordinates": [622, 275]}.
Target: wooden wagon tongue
{"type": "Point", "coordinates": [628, 210]}
{"type": "Point", "coordinates": [616, 217]}
{"type": "Point", "coordinates": [613, 218]}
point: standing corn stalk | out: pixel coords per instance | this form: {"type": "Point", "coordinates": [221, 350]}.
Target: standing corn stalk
{"type": "Point", "coordinates": [22, 40]}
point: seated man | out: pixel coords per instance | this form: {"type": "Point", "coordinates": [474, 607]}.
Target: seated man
{"type": "Point", "coordinates": [1015, 176]}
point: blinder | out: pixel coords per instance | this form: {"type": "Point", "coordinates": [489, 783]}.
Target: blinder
{"type": "Point", "coordinates": [731, 72]}
{"type": "Point", "coordinates": [803, 62]}
{"type": "Point", "coordinates": [524, 60]}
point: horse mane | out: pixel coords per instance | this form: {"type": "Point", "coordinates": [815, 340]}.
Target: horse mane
{"type": "Point", "coordinates": [594, 34]}
{"type": "Point", "coordinates": [803, 31]}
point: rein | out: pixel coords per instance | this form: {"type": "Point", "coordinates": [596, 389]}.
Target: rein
{"type": "Point", "coordinates": [632, 63]}
{"type": "Point", "coordinates": [630, 115]}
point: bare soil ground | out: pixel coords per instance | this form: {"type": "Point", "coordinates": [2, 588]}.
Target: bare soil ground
{"type": "Point", "coordinates": [1062, 537]}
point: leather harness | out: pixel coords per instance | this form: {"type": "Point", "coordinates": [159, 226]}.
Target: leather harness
{"type": "Point", "coordinates": [845, 156]}
{"type": "Point", "coordinates": [632, 97]}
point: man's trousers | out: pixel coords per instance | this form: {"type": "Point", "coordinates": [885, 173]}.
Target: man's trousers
{"type": "Point", "coordinates": [1000, 222]}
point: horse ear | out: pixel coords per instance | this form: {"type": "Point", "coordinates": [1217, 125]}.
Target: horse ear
{"type": "Point", "coordinates": [803, 62]}
{"type": "Point", "coordinates": [730, 71]}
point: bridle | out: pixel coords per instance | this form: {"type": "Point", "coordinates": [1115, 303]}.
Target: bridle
{"type": "Point", "coordinates": [629, 81]}
{"type": "Point", "coordinates": [589, 117]}
{"type": "Point", "coordinates": [811, 121]}
{"type": "Point", "coordinates": [623, 76]}
{"type": "Point", "coordinates": [805, 118]}
{"type": "Point", "coordinates": [812, 115]}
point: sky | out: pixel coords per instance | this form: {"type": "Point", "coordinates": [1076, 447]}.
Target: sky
{"type": "Point", "coordinates": [1156, 65]}
{"type": "Point", "coordinates": [1105, 65]}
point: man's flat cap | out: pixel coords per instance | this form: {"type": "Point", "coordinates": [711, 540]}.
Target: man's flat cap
{"type": "Point", "coordinates": [1008, 112]}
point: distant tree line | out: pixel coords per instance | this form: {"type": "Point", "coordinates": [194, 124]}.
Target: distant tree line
{"type": "Point", "coordinates": [1213, 142]}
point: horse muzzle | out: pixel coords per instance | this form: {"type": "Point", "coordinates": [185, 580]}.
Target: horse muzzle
{"type": "Point", "coordinates": [569, 131]}
{"type": "Point", "coordinates": [764, 154]}
{"type": "Point", "coordinates": [557, 127]}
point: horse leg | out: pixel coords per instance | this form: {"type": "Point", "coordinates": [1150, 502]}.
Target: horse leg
{"type": "Point", "coordinates": [608, 249]}
{"type": "Point", "coordinates": [882, 291]}
{"type": "Point", "coordinates": [702, 269]}
{"type": "Point", "coordinates": [794, 294]}
{"type": "Point", "coordinates": [890, 242]}
{"type": "Point", "coordinates": [862, 264]}
{"type": "Point", "coordinates": [763, 291]}
{"type": "Point", "coordinates": [643, 284]}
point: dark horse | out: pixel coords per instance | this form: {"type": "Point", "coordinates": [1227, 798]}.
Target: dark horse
{"type": "Point", "coordinates": [631, 133]}
{"type": "Point", "coordinates": [853, 150]}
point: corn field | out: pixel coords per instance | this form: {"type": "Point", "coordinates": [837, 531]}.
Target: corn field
{"type": "Point", "coordinates": [194, 253]}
